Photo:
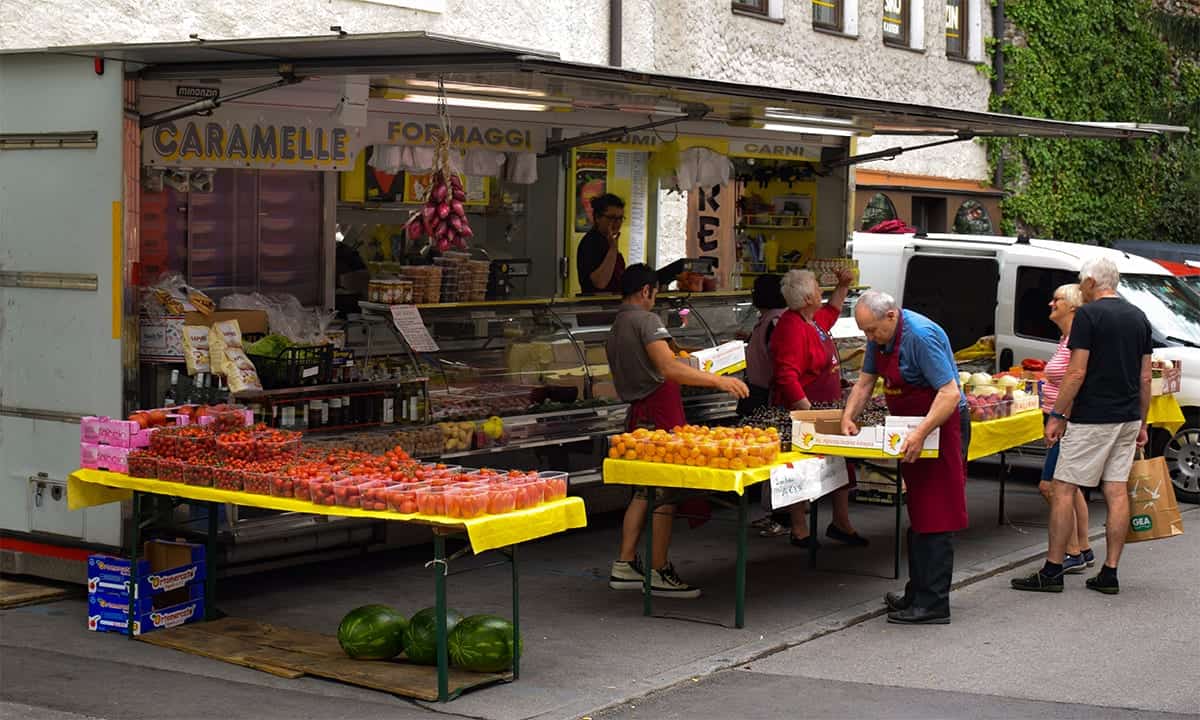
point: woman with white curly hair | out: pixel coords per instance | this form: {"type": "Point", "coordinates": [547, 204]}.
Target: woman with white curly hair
{"type": "Point", "coordinates": [807, 371]}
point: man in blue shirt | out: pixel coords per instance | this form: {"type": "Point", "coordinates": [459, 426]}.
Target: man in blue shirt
{"type": "Point", "coordinates": [913, 357]}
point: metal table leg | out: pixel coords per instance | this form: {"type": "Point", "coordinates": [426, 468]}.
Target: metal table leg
{"type": "Point", "coordinates": [1003, 482]}
{"type": "Point", "coordinates": [812, 532]}
{"type": "Point", "coordinates": [439, 584]}
{"type": "Point", "coordinates": [516, 614]}
{"type": "Point", "coordinates": [739, 615]}
{"type": "Point", "coordinates": [648, 559]}
{"type": "Point", "coordinates": [210, 558]}
{"type": "Point", "coordinates": [134, 578]}
{"type": "Point", "coordinates": [899, 501]}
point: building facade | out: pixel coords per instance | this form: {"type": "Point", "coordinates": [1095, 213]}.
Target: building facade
{"type": "Point", "coordinates": [924, 52]}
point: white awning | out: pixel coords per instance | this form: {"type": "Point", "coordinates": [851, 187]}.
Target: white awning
{"type": "Point", "coordinates": [393, 60]}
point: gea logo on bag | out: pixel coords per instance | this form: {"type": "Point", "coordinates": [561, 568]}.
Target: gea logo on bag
{"type": "Point", "coordinates": [1141, 523]}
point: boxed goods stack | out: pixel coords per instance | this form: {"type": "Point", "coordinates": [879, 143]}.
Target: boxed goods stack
{"type": "Point", "coordinates": [169, 592]}
{"type": "Point", "coordinates": [426, 283]}
{"type": "Point", "coordinates": [477, 280]}
{"type": "Point", "coordinates": [456, 276]}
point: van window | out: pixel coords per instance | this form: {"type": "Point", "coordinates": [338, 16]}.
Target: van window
{"type": "Point", "coordinates": [1031, 303]}
{"type": "Point", "coordinates": [958, 293]}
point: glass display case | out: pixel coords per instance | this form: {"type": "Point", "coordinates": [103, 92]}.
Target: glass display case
{"type": "Point", "coordinates": [540, 366]}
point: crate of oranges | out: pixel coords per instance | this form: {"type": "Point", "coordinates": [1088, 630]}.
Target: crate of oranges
{"type": "Point", "coordinates": [723, 448]}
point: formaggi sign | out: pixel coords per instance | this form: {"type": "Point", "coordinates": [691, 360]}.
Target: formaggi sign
{"type": "Point", "coordinates": [476, 136]}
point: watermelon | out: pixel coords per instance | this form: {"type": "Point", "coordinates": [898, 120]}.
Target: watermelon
{"type": "Point", "coordinates": [372, 632]}
{"type": "Point", "coordinates": [482, 643]}
{"type": "Point", "coordinates": [420, 637]}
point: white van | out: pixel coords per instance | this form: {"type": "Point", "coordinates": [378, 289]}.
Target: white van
{"type": "Point", "coordinates": [977, 285]}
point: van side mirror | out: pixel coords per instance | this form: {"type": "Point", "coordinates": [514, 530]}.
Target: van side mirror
{"type": "Point", "coordinates": [1006, 359]}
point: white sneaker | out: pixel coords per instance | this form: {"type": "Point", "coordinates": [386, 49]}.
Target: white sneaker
{"type": "Point", "coordinates": [626, 575]}
{"type": "Point", "coordinates": [665, 583]}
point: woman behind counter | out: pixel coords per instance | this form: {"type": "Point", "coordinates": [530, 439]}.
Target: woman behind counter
{"type": "Point", "coordinates": [807, 371]}
{"type": "Point", "coordinates": [598, 260]}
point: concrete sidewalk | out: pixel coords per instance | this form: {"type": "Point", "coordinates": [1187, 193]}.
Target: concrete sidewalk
{"type": "Point", "coordinates": [586, 647]}
{"type": "Point", "coordinates": [1008, 654]}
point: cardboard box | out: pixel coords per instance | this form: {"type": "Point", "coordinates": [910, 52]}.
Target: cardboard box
{"type": "Point", "coordinates": [102, 601]}
{"type": "Point", "coordinates": [161, 338]}
{"type": "Point", "coordinates": [813, 428]}
{"type": "Point", "coordinates": [89, 429]}
{"type": "Point", "coordinates": [726, 357]}
{"type": "Point", "coordinates": [167, 566]}
{"type": "Point", "coordinates": [113, 620]}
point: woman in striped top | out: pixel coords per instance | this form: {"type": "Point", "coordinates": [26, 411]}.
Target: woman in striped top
{"type": "Point", "coordinates": [1063, 305]}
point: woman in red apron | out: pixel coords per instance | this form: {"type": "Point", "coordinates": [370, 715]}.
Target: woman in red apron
{"type": "Point", "coordinates": [807, 371]}
{"type": "Point", "coordinates": [937, 503]}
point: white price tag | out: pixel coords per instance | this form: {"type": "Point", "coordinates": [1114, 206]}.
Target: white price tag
{"type": "Point", "coordinates": [806, 480]}
{"type": "Point", "coordinates": [309, 372]}
{"type": "Point", "coordinates": [408, 321]}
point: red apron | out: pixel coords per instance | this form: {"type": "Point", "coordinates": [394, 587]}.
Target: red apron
{"type": "Point", "coordinates": [660, 410]}
{"type": "Point", "coordinates": [937, 487]}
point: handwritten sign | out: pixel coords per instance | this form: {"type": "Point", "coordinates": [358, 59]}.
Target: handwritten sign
{"type": "Point", "coordinates": [412, 328]}
{"type": "Point", "coordinates": [806, 480]}
{"type": "Point", "coordinates": [710, 227]}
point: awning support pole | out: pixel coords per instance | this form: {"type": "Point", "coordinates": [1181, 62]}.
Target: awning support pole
{"type": "Point", "coordinates": [201, 107]}
{"type": "Point", "coordinates": [891, 153]}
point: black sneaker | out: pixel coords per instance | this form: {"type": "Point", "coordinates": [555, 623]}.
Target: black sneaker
{"type": "Point", "coordinates": [665, 583]}
{"type": "Point", "coordinates": [1037, 582]}
{"type": "Point", "coordinates": [1106, 585]}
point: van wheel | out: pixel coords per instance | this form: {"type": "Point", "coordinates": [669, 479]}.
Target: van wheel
{"type": "Point", "coordinates": [1182, 453]}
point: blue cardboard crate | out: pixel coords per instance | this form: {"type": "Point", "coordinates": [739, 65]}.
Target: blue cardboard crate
{"type": "Point", "coordinates": [110, 574]}
{"type": "Point", "coordinates": [117, 620]}
{"type": "Point", "coordinates": [104, 600]}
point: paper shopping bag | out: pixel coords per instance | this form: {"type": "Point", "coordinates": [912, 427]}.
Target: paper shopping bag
{"type": "Point", "coordinates": [1153, 512]}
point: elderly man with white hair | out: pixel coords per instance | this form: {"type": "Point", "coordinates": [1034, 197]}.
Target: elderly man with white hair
{"type": "Point", "coordinates": [1098, 420]}
{"type": "Point", "coordinates": [913, 356]}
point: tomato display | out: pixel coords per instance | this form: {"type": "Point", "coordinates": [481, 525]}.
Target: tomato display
{"type": "Point", "coordinates": [258, 483]}
{"type": "Point", "coordinates": [198, 475]}
{"type": "Point", "coordinates": [228, 478]}
{"type": "Point", "coordinates": [467, 501]}
{"type": "Point", "coordinates": [187, 443]}
{"type": "Point", "coordinates": [374, 495]}
{"type": "Point", "coordinates": [142, 464]}
{"type": "Point", "coordinates": [554, 485]}
{"type": "Point", "coordinates": [502, 498]}
{"type": "Point", "coordinates": [170, 470]}
{"type": "Point", "coordinates": [432, 500]}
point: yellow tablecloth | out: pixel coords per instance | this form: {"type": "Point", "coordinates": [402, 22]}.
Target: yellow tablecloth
{"type": "Point", "coordinates": [86, 488]}
{"type": "Point", "coordinates": [640, 472]}
{"type": "Point", "coordinates": [1165, 413]}
{"type": "Point", "coordinates": [994, 436]}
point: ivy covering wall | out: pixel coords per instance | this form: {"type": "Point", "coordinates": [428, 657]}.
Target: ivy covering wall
{"type": "Point", "coordinates": [1100, 60]}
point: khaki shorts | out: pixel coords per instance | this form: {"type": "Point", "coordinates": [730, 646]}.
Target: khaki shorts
{"type": "Point", "coordinates": [1090, 454]}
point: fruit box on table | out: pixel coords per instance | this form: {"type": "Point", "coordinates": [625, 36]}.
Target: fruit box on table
{"type": "Point", "coordinates": [104, 457]}
{"type": "Point", "coordinates": [725, 357]}
{"type": "Point", "coordinates": [815, 428]}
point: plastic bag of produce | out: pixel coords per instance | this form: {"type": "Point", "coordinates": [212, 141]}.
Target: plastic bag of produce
{"type": "Point", "coordinates": [195, 349]}
{"type": "Point", "coordinates": [172, 296]}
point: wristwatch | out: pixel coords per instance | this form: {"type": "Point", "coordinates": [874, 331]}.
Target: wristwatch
{"type": "Point", "coordinates": [1058, 415]}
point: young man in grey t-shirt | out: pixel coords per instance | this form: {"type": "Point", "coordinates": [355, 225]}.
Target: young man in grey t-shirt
{"type": "Point", "coordinates": [648, 377]}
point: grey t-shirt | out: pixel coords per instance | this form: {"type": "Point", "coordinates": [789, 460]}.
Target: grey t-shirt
{"type": "Point", "coordinates": [633, 373]}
